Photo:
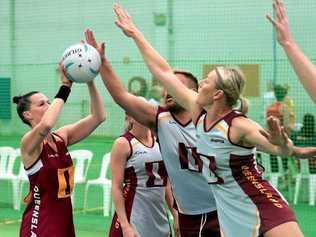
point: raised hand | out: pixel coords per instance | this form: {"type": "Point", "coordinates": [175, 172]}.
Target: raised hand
{"type": "Point", "coordinates": [124, 21]}
{"type": "Point", "coordinates": [63, 78]}
{"type": "Point", "coordinates": [275, 134]}
{"type": "Point", "coordinates": [90, 39]}
{"type": "Point", "coordinates": [281, 23]}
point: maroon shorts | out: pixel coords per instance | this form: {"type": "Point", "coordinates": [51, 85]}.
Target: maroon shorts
{"type": "Point", "coordinates": [193, 225]}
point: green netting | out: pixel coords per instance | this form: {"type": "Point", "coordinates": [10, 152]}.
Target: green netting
{"type": "Point", "coordinates": [189, 33]}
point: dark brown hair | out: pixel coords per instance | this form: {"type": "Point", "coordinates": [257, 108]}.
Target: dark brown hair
{"type": "Point", "coordinates": [23, 104]}
{"type": "Point", "coordinates": [188, 75]}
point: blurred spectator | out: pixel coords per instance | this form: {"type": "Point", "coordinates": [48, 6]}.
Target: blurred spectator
{"type": "Point", "coordinates": [155, 95]}
{"type": "Point", "coordinates": [306, 137]}
{"type": "Point", "coordinates": [283, 108]}
{"type": "Point", "coordinates": [137, 86]}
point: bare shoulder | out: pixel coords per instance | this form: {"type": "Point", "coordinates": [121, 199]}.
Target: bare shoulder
{"type": "Point", "coordinates": [24, 152]}
{"type": "Point", "coordinates": [241, 123]}
{"type": "Point", "coordinates": [24, 140]}
{"type": "Point", "coordinates": [242, 126]}
{"type": "Point", "coordinates": [244, 123]}
{"type": "Point", "coordinates": [121, 141]}
{"type": "Point", "coordinates": [121, 145]}
{"type": "Point", "coordinates": [29, 157]}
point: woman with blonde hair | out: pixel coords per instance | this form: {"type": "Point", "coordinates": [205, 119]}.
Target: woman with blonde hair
{"type": "Point", "coordinates": [247, 205]}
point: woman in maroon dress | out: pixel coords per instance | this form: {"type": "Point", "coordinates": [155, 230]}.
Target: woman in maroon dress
{"type": "Point", "coordinates": [47, 161]}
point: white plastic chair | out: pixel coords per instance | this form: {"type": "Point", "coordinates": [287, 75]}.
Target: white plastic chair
{"type": "Point", "coordinates": [272, 171]}
{"type": "Point", "coordinates": [8, 156]}
{"type": "Point", "coordinates": [304, 173]}
{"type": "Point", "coordinates": [22, 180]}
{"type": "Point", "coordinates": [103, 182]}
{"type": "Point", "coordinates": [82, 160]}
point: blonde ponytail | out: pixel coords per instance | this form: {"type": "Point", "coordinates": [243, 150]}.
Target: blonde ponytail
{"type": "Point", "coordinates": [231, 80]}
{"type": "Point", "coordinates": [243, 105]}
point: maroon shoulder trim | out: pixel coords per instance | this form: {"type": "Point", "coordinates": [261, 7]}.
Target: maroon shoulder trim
{"type": "Point", "coordinates": [229, 119]}
{"type": "Point", "coordinates": [129, 136]}
{"type": "Point", "coordinates": [162, 109]}
{"type": "Point", "coordinates": [57, 135]}
{"type": "Point", "coordinates": [216, 121]}
{"type": "Point", "coordinates": [62, 142]}
{"type": "Point", "coordinates": [233, 114]}
{"type": "Point", "coordinates": [152, 141]}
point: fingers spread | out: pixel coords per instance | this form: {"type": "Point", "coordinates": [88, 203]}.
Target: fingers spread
{"type": "Point", "coordinates": [90, 38]}
{"type": "Point", "coordinates": [265, 134]}
{"type": "Point", "coordinates": [269, 17]}
{"type": "Point", "coordinates": [274, 126]}
{"type": "Point", "coordinates": [282, 9]}
{"type": "Point", "coordinates": [119, 24]}
{"type": "Point", "coordinates": [128, 16]}
{"type": "Point", "coordinates": [118, 11]}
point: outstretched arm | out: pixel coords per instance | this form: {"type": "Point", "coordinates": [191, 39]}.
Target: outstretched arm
{"type": "Point", "coordinates": [274, 141]}
{"type": "Point", "coordinates": [138, 108]}
{"type": "Point", "coordinates": [155, 62]}
{"type": "Point", "coordinates": [304, 152]}
{"type": "Point", "coordinates": [277, 135]}
{"type": "Point", "coordinates": [304, 68]}
{"type": "Point", "coordinates": [74, 133]}
{"type": "Point", "coordinates": [31, 144]}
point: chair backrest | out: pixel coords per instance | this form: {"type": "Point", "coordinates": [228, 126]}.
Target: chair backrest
{"type": "Point", "coordinates": [304, 167]}
{"type": "Point", "coordinates": [105, 165]}
{"type": "Point", "coordinates": [7, 158]}
{"type": "Point", "coordinates": [281, 166]}
{"type": "Point", "coordinates": [270, 164]}
{"type": "Point", "coordinates": [82, 160]}
{"type": "Point", "coordinates": [264, 160]}
{"type": "Point", "coordinates": [22, 174]}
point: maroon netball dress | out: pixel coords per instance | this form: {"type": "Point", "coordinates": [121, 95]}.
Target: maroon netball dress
{"type": "Point", "coordinates": [49, 210]}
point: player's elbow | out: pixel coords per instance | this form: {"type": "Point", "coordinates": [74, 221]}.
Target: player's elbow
{"type": "Point", "coordinates": [98, 118]}
{"type": "Point", "coordinates": [45, 127]}
{"type": "Point", "coordinates": [102, 117]}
